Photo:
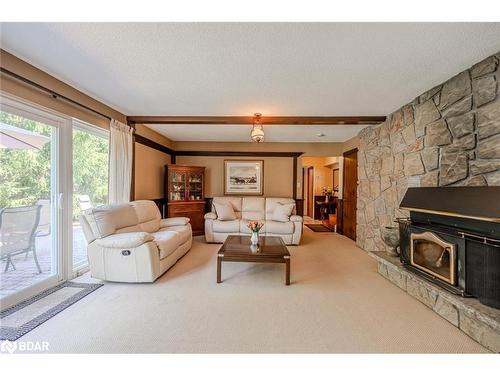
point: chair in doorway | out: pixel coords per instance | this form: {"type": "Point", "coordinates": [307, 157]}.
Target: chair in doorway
{"type": "Point", "coordinates": [18, 228]}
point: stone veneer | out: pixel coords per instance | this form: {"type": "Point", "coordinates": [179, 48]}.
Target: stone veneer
{"type": "Point", "coordinates": [480, 322]}
{"type": "Point", "coordinates": [450, 135]}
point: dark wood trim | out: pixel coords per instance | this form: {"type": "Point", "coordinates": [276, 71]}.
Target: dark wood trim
{"type": "Point", "coordinates": [148, 142]}
{"type": "Point", "coordinates": [173, 159]}
{"type": "Point", "coordinates": [240, 153]}
{"type": "Point", "coordinates": [294, 178]}
{"type": "Point", "coordinates": [132, 179]}
{"type": "Point", "coordinates": [293, 155]}
{"type": "Point", "coordinates": [341, 228]}
{"type": "Point", "coordinates": [352, 151]}
{"type": "Point", "coordinates": [266, 120]}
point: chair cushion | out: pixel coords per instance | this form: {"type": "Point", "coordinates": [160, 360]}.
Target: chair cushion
{"type": "Point", "coordinates": [184, 231]}
{"type": "Point", "coordinates": [174, 221]}
{"type": "Point", "coordinates": [234, 201]}
{"type": "Point", "coordinates": [107, 219]}
{"type": "Point", "coordinates": [224, 211]}
{"type": "Point", "coordinates": [271, 205]}
{"type": "Point", "coordinates": [277, 227]}
{"type": "Point", "coordinates": [167, 242]}
{"type": "Point", "coordinates": [282, 212]}
{"type": "Point", "coordinates": [253, 208]}
{"type": "Point", "coordinates": [232, 226]}
{"type": "Point", "coordinates": [148, 215]}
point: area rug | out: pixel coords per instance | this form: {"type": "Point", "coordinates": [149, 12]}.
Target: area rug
{"type": "Point", "coordinates": [319, 228]}
{"type": "Point", "coordinates": [18, 320]}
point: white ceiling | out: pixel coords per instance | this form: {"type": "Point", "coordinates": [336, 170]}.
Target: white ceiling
{"type": "Point", "coordinates": [287, 69]}
{"type": "Point", "coordinates": [273, 133]}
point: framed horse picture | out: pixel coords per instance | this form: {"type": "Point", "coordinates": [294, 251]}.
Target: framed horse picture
{"type": "Point", "coordinates": [243, 177]}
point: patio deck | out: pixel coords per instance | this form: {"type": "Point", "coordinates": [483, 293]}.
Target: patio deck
{"type": "Point", "coordinates": [26, 272]}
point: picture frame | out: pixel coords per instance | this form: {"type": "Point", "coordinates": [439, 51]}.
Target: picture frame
{"type": "Point", "coordinates": [243, 177]}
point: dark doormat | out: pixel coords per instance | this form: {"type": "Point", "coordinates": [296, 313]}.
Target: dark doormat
{"type": "Point", "coordinates": [319, 228]}
{"type": "Point", "coordinates": [19, 319]}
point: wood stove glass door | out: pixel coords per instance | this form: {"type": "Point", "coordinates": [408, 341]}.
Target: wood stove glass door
{"type": "Point", "coordinates": [434, 256]}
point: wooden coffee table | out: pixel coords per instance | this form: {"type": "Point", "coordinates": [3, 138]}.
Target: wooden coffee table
{"type": "Point", "coordinates": [238, 249]}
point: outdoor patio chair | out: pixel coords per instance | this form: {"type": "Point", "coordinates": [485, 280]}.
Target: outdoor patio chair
{"type": "Point", "coordinates": [84, 202]}
{"type": "Point", "coordinates": [18, 227]}
{"type": "Point", "coordinates": [44, 223]}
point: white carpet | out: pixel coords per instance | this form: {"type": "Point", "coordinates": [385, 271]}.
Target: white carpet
{"type": "Point", "coordinates": [337, 303]}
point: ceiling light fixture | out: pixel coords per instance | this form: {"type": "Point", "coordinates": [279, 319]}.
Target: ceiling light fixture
{"type": "Point", "coordinates": [257, 133]}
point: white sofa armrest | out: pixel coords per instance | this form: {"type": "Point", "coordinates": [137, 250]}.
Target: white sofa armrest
{"type": "Point", "coordinates": [296, 218]}
{"type": "Point", "coordinates": [174, 221]}
{"type": "Point", "coordinates": [124, 240]}
{"type": "Point", "coordinates": [210, 216]}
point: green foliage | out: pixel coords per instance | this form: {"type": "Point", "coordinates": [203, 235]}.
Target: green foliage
{"type": "Point", "coordinates": [25, 174]}
{"type": "Point", "coordinates": [90, 168]}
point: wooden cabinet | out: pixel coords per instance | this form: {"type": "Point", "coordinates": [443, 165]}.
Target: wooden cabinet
{"type": "Point", "coordinates": [184, 193]}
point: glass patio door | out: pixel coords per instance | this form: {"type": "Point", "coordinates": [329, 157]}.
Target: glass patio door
{"type": "Point", "coordinates": [32, 199]}
{"type": "Point", "coordinates": [90, 182]}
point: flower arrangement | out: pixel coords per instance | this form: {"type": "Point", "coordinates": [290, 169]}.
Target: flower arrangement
{"type": "Point", "coordinates": [255, 226]}
{"type": "Point", "coordinates": [327, 190]}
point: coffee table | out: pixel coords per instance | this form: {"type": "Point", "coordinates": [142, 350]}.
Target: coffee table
{"type": "Point", "coordinates": [238, 249]}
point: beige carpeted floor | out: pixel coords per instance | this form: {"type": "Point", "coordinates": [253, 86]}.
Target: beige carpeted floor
{"type": "Point", "coordinates": [337, 303]}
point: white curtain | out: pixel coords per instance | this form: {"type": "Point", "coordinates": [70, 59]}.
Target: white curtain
{"type": "Point", "coordinates": [120, 162]}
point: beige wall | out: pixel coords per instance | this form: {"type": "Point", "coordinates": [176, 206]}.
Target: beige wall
{"type": "Point", "coordinates": [149, 172]}
{"type": "Point", "coordinates": [308, 149]}
{"type": "Point", "coordinates": [150, 165]}
{"type": "Point", "coordinates": [323, 172]}
{"type": "Point", "coordinates": [278, 174]}
{"type": "Point", "coordinates": [350, 144]}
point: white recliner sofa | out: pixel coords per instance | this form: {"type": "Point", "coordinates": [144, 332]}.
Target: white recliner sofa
{"type": "Point", "coordinates": [248, 209]}
{"type": "Point", "coordinates": [131, 243]}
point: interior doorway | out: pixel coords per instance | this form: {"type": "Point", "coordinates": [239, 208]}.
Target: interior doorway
{"type": "Point", "coordinates": [349, 192]}
{"type": "Point", "coordinates": [308, 190]}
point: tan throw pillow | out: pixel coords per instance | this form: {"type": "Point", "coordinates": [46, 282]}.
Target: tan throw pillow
{"type": "Point", "coordinates": [224, 211]}
{"type": "Point", "coordinates": [282, 212]}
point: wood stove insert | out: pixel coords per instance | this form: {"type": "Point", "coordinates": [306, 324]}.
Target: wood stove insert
{"type": "Point", "coordinates": [452, 239]}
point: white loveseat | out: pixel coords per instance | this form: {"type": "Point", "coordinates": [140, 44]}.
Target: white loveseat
{"type": "Point", "coordinates": [131, 243]}
{"type": "Point", "coordinates": [248, 209]}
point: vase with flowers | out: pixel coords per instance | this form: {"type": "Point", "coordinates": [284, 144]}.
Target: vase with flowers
{"type": "Point", "coordinates": [327, 191]}
{"type": "Point", "coordinates": [255, 227]}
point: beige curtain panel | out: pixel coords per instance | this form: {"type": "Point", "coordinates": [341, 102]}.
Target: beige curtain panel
{"type": "Point", "coordinates": [120, 162]}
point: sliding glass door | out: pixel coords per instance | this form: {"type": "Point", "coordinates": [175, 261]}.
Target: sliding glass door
{"type": "Point", "coordinates": [32, 188]}
{"type": "Point", "coordinates": [90, 181]}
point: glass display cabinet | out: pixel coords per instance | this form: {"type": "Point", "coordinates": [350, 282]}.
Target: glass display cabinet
{"type": "Point", "coordinates": [184, 193]}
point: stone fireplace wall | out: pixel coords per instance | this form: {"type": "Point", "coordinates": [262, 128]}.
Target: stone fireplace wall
{"type": "Point", "coordinates": [448, 136]}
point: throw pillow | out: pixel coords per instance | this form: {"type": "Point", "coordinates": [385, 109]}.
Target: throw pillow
{"type": "Point", "coordinates": [225, 211]}
{"type": "Point", "coordinates": [282, 212]}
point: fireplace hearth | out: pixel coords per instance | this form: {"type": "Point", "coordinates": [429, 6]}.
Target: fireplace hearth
{"type": "Point", "coordinates": [452, 239]}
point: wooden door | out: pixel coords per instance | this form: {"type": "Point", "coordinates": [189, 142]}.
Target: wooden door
{"type": "Point", "coordinates": [349, 194]}
{"type": "Point", "coordinates": [310, 192]}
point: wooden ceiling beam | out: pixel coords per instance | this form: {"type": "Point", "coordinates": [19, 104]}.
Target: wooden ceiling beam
{"type": "Point", "coordinates": [266, 120]}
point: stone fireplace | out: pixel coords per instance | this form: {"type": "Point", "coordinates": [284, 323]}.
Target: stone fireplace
{"type": "Point", "coordinates": [449, 136]}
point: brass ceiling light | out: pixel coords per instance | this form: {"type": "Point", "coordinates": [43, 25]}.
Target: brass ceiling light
{"type": "Point", "coordinates": [257, 133]}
